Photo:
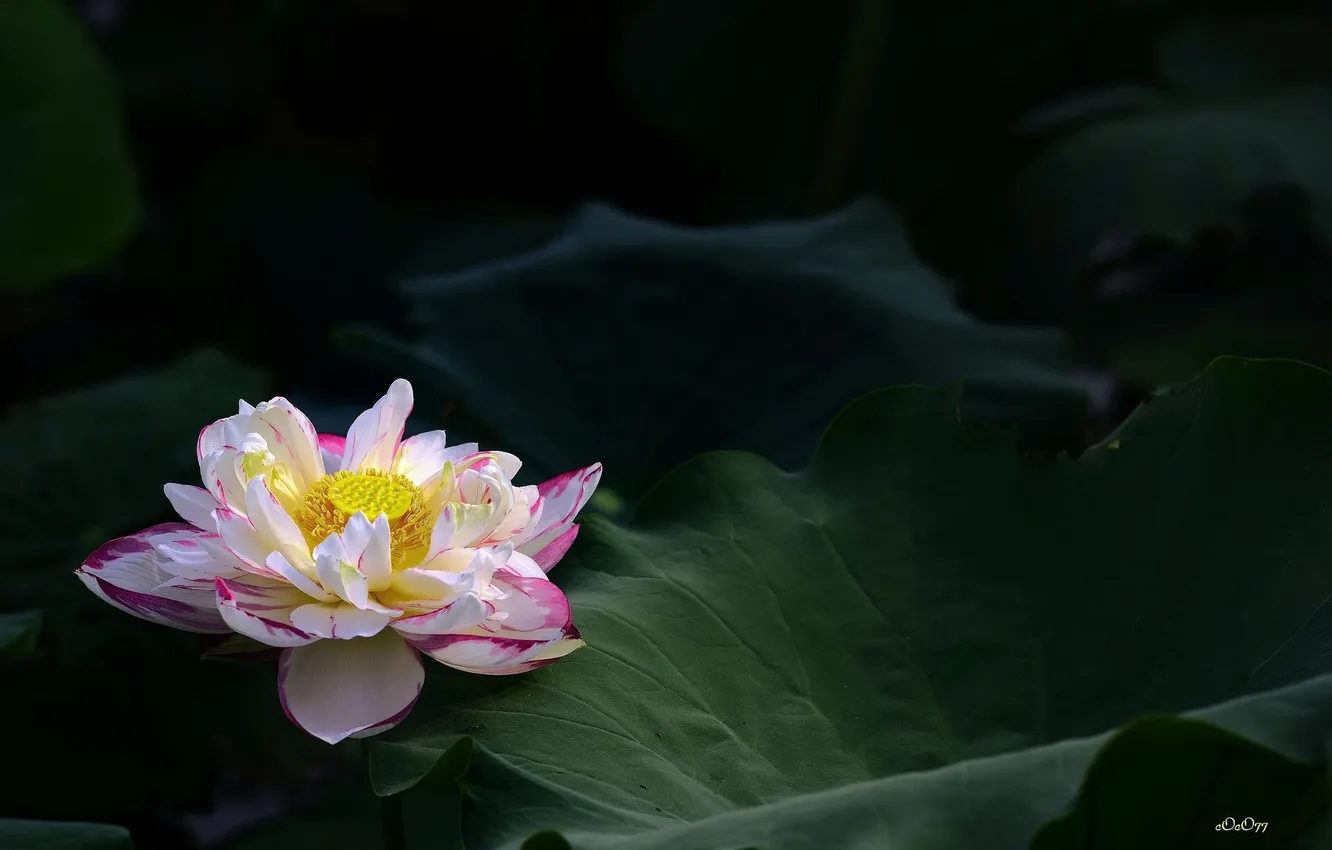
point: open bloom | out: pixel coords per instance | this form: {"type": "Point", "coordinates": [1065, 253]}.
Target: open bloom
{"type": "Point", "coordinates": [353, 556]}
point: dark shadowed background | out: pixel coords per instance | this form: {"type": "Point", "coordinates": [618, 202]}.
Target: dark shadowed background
{"type": "Point", "coordinates": [618, 230]}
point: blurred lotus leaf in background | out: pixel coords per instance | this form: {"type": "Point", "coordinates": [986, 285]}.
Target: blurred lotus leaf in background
{"type": "Point", "coordinates": [68, 198]}
{"type": "Point", "coordinates": [641, 344]}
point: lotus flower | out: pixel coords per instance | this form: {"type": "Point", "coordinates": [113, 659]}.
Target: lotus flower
{"type": "Point", "coordinates": [353, 556]}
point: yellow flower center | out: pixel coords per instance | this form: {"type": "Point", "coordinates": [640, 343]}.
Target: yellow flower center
{"type": "Point", "coordinates": [333, 499]}
{"type": "Point", "coordinates": [371, 494]}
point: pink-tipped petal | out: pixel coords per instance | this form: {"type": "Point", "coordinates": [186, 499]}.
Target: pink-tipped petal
{"type": "Point", "coordinates": [373, 438]}
{"type": "Point", "coordinates": [493, 655]}
{"type": "Point", "coordinates": [276, 529]}
{"type": "Point", "coordinates": [228, 431]}
{"type": "Point", "coordinates": [299, 580]}
{"type": "Point", "coordinates": [289, 432]}
{"type": "Point", "coordinates": [222, 475]}
{"type": "Point", "coordinates": [464, 613]}
{"type": "Point", "coordinates": [196, 556]}
{"type": "Point", "coordinates": [550, 554]}
{"type": "Point", "coordinates": [338, 620]}
{"type": "Point", "coordinates": [421, 457]}
{"type": "Point", "coordinates": [194, 504]}
{"type": "Point", "coordinates": [335, 689]}
{"type": "Point", "coordinates": [240, 538]}
{"type": "Point", "coordinates": [562, 497]}
{"type": "Point", "coordinates": [261, 609]}
{"type": "Point", "coordinates": [128, 573]}
{"type": "Point", "coordinates": [331, 447]}
{"type": "Point", "coordinates": [532, 604]}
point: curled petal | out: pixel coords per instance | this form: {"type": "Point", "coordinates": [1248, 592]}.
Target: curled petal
{"type": "Point", "coordinates": [197, 556]}
{"type": "Point", "coordinates": [495, 655]}
{"type": "Point", "coordinates": [373, 438]}
{"type": "Point", "coordinates": [290, 434]}
{"type": "Point", "coordinates": [223, 476]}
{"type": "Point", "coordinates": [298, 579]}
{"type": "Point", "coordinates": [532, 604]}
{"type": "Point", "coordinates": [128, 573]}
{"type": "Point", "coordinates": [338, 620]}
{"type": "Point", "coordinates": [465, 612]}
{"type": "Point", "coordinates": [194, 504]}
{"type": "Point", "coordinates": [337, 689]}
{"type": "Point", "coordinates": [228, 431]}
{"type": "Point", "coordinates": [261, 609]}
{"type": "Point", "coordinates": [331, 447]}
{"type": "Point", "coordinates": [562, 497]}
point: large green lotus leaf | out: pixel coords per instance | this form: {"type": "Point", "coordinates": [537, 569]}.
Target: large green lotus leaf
{"type": "Point", "coordinates": [52, 835]}
{"type": "Point", "coordinates": [641, 344]}
{"type": "Point", "coordinates": [1164, 172]}
{"type": "Point", "coordinates": [68, 194]}
{"type": "Point", "coordinates": [920, 599]}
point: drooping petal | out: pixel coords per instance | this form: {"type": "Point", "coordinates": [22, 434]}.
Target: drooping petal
{"type": "Point", "coordinates": [338, 620]}
{"type": "Point", "coordinates": [127, 572]}
{"type": "Point", "coordinates": [373, 438]}
{"type": "Point", "coordinates": [335, 689]}
{"type": "Point", "coordinates": [494, 655]}
{"type": "Point", "coordinates": [562, 497]}
{"type": "Point", "coordinates": [194, 504]}
{"type": "Point", "coordinates": [331, 447]}
{"type": "Point", "coordinates": [261, 609]}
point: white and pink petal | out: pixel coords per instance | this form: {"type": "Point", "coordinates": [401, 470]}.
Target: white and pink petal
{"type": "Point", "coordinates": [339, 620]}
{"type": "Point", "coordinates": [290, 436]}
{"type": "Point", "coordinates": [195, 505]}
{"type": "Point", "coordinates": [128, 573]}
{"type": "Point", "coordinates": [562, 497]}
{"type": "Point", "coordinates": [337, 689]}
{"type": "Point", "coordinates": [496, 655]}
{"type": "Point", "coordinates": [465, 612]}
{"type": "Point", "coordinates": [373, 438]}
{"type": "Point", "coordinates": [261, 609]}
{"type": "Point", "coordinates": [331, 447]}
{"type": "Point", "coordinates": [531, 604]}
{"type": "Point", "coordinates": [421, 457]}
